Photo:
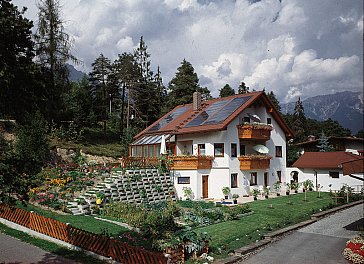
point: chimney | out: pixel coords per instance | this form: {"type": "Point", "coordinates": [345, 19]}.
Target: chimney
{"type": "Point", "coordinates": [196, 101]}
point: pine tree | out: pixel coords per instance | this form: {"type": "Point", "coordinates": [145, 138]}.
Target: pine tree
{"type": "Point", "coordinates": [226, 91]}
{"type": "Point", "coordinates": [20, 89]}
{"type": "Point", "coordinates": [274, 100]}
{"type": "Point", "coordinates": [53, 50]}
{"type": "Point", "coordinates": [243, 88]}
{"type": "Point", "coordinates": [145, 94]}
{"type": "Point", "coordinates": [299, 121]}
{"type": "Point", "coordinates": [183, 85]}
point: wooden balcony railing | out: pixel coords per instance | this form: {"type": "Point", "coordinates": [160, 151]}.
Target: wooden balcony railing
{"type": "Point", "coordinates": [191, 162]}
{"type": "Point", "coordinates": [254, 162]}
{"type": "Point", "coordinates": [252, 131]}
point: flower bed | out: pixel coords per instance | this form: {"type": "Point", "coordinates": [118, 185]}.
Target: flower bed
{"type": "Point", "coordinates": [354, 250]}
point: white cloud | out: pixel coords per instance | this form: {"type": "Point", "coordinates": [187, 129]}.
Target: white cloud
{"type": "Point", "coordinates": [295, 48]}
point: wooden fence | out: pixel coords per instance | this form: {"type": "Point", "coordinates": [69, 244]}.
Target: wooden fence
{"type": "Point", "coordinates": [99, 244]}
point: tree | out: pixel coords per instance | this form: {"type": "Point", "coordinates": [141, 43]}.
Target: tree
{"type": "Point", "coordinates": [146, 94]}
{"type": "Point", "coordinates": [324, 145]}
{"type": "Point", "coordinates": [19, 88]}
{"type": "Point", "coordinates": [299, 120]}
{"type": "Point", "coordinates": [183, 85]}
{"type": "Point", "coordinates": [20, 164]}
{"type": "Point", "coordinates": [99, 86]}
{"type": "Point", "coordinates": [53, 50]}
{"type": "Point", "coordinates": [226, 91]}
{"type": "Point", "coordinates": [243, 88]}
{"type": "Point", "coordinates": [360, 133]}
{"type": "Point", "coordinates": [274, 100]}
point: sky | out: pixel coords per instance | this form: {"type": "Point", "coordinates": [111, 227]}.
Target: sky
{"type": "Point", "coordinates": [294, 48]}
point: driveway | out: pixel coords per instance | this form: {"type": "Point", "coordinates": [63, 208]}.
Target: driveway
{"type": "Point", "coordinates": [14, 251]}
{"type": "Point", "coordinates": [320, 242]}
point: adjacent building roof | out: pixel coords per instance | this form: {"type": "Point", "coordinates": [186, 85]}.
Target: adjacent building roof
{"type": "Point", "coordinates": [325, 160]}
{"type": "Point", "coordinates": [213, 115]}
{"type": "Point", "coordinates": [354, 166]}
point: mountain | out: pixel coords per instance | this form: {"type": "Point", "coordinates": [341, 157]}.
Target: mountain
{"type": "Point", "coordinates": [75, 75]}
{"type": "Point", "coordinates": [344, 107]}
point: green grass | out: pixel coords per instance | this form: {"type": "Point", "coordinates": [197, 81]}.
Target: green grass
{"type": "Point", "coordinates": [49, 246]}
{"type": "Point", "coordinates": [87, 223]}
{"type": "Point", "coordinates": [231, 235]}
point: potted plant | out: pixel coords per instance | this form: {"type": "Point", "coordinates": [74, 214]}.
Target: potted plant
{"type": "Point", "coordinates": [235, 197]}
{"type": "Point", "coordinates": [266, 191]}
{"type": "Point", "coordinates": [288, 188]}
{"type": "Point", "coordinates": [295, 186]}
{"type": "Point", "coordinates": [255, 193]}
{"type": "Point", "coordinates": [307, 185]}
{"type": "Point", "coordinates": [277, 187]}
{"type": "Point", "coordinates": [226, 191]}
{"type": "Point", "coordinates": [100, 196]}
{"type": "Point", "coordinates": [187, 193]}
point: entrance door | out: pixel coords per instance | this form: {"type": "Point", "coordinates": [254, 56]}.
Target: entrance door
{"type": "Point", "coordinates": [265, 179]}
{"type": "Point", "coordinates": [205, 186]}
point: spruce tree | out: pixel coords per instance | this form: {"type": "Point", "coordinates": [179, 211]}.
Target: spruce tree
{"type": "Point", "coordinates": [183, 85]}
{"type": "Point", "coordinates": [226, 91]}
{"type": "Point", "coordinates": [299, 121]}
{"type": "Point", "coordinates": [274, 100]}
{"type": "Point", "coordinates": [324, 145]}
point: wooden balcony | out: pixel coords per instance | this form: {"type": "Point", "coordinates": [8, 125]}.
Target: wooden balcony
{"type": "Point", "coordinates": [191, 163]}
{"type": "Point", "coordinates": [256, 132]}
{"type": "Point", "coordinates": [254, 162]}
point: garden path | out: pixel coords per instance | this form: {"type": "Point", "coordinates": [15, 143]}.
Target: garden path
{"type": "Point", "coordinates": [320, 242]}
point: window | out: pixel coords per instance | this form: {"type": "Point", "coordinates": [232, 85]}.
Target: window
{"type": "Point", "coordinates": [269, 121]}
{"type": "Point", "coordinates": [253, 178]}
{"type": "Point", "coordinates": [246, 119]}
{"type": "Point", "coordinates": [145, 151]}
{"type": "Point", "coordinates": [183, 180]}
{"type": "Point", "coordinates": [151, 151]}
{"type": "Point", "coordinates": [201, 149]}
{"type": "Point", "coordinates": [133, 151]}
{"type": "Point", "coordinates": [158, 150]}
{"type": "Point", "coordinates": [139, 151]}
{"type": "Point", "coordinates": [242, 149]}
{"type": "Point", "coordinates": [219, 149]}
{"type": "Point", "coordinates": [234, 150]}
{"type": "Point", "coordinates": [279, 175]}
{"type": "Point", "coordinates": [279, 151]}
{"type": "Point", "coordinates": [234, 180]}
{"type": "Point", "coordinates": [334, 174]}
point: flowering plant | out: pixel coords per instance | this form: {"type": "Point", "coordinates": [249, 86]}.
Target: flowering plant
{"type": "Point", "coordinates": [354, 250]}
{"type": "Point", "coordinates": [255, 157]}
{"type": "Point", "coordinates": [261, 126]}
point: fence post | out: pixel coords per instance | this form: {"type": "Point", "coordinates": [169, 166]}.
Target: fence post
{"type": "Point", "coordinates": [31, 220]}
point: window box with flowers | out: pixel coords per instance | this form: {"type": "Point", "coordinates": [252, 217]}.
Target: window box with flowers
{"type": "Point", "coordinates": [191, 162]}
{"type": "Point", "coordinates": [254, 162]}
{"type": "Point", "coordinates": [254, 131]}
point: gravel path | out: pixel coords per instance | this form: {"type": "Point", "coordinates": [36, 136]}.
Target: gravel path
{"type": "Point", "coordinates": [333, 225]}
{"type": "Point", "coordinates": [320, 242]}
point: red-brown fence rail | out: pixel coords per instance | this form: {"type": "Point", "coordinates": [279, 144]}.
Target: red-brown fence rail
{"type": "Point", "coordinates": [99, 244]}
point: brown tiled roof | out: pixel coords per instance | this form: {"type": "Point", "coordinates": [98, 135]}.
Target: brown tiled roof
{"type": "Point", "coordinates": [178, 125]}
{"type": "Point", "coordinates": [316, 141]}
{"type": "Point", "coordinates": [354, 166]}
{"type": "Point", "coordinates": [324, 160]}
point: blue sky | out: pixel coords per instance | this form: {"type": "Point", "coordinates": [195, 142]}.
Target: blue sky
{"type": "Point", "coordinates": [294, 47]}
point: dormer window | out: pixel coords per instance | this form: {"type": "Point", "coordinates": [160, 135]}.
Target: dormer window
{"type": "Point", "coordinates": [269, 121]}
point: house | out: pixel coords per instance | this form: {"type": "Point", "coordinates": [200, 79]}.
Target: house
{"type": "Point", "coordinates": [326, 169]}
{"type": "Point", "coordinates": [233, 142]}
{"type": "Point", "coordinates": [348, 144]}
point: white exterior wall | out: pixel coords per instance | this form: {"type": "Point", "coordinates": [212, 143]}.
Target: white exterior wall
{"type": "Point", "coordinates": [353, 147]}
{"type": "Point", "coordinates": [324, 179]}
{"type": "Point", "coordinates": [223, 167]}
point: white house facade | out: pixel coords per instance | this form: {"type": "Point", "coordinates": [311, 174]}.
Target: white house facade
{"type": "Point", "coordinates": [325, 169]}
{"type": "Point", "coordinates": [236, 142]}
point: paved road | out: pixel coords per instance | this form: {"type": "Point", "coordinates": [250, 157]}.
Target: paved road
{"type": "Point", "coordinates": [320, 242]}
{"type": "Point", "coordinates": [14, 251]}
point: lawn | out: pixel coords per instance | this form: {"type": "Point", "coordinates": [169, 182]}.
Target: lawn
{"type": "Point", "coordinates": [230, 235]}
{"type": "Point", "coordinates": [87, 223]}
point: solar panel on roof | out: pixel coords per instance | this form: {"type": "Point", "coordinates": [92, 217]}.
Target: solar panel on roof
{"type": "Point", "coordinates": [227, 110]}
{"type": "Point", "coordinates": [211, 110]}
{"type": "Point", "coordinates": [165, 121]}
